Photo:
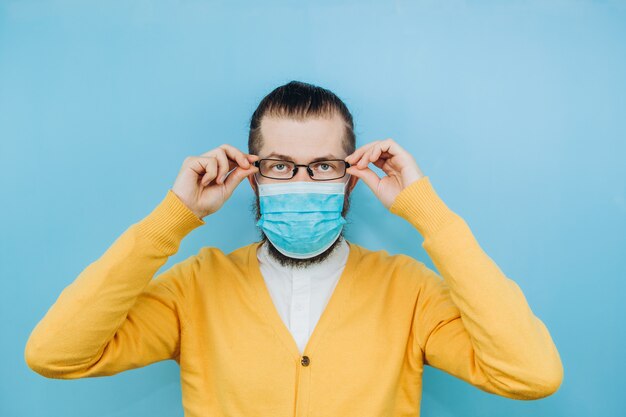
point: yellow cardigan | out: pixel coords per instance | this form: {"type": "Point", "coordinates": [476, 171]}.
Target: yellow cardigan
{"type": "Point", "coordinates": [388, 317]}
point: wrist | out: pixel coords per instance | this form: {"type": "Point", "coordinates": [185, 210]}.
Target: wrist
{"type": "Point", "coordinates": [169, 222]}
{"type": "Point", "coordinates": [420, 205]}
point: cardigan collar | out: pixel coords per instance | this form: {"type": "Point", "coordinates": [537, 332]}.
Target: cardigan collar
{"type": "Point", "coordinates": [332, 314]}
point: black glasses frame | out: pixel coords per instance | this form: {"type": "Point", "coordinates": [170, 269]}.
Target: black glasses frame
{"type": "Point", "coordinates": [295, 168]}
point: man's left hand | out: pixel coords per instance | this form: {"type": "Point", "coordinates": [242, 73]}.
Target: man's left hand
{"type": "Point", "coordinates": [397, 163]}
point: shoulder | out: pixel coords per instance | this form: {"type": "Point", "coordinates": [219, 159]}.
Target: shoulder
{"type": "Point", "coordinates": [212, 258]}
{"type": "Point", "coordinates": [399, 266]}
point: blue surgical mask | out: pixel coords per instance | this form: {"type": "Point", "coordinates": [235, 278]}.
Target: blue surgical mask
{"type": "Point", "coordinates": [301, 219]}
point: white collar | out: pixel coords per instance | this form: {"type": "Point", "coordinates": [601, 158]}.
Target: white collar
{"type": "Point", "coordinates": [335, 261]}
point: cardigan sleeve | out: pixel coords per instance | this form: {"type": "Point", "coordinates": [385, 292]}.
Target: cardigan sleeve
{"type": "Point", "coordinates": [473, 321]}
{"type": "Point", "coordinates": [114, 316]}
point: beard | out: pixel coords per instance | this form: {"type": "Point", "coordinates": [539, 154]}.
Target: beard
{"type": "Point", "coordinates": [287, 261]}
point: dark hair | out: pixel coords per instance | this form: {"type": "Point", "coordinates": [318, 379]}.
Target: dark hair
{"type": "Point", "coordinates": [300, 100]}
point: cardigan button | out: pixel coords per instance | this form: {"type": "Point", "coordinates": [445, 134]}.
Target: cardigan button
{"type": "Point", "coordinates": [305, 361]}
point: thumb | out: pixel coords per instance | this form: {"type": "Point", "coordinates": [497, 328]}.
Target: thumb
{"type": "Point", "coordinates": [369, 177]}
{"type": "Point", "coordinates": [235, 178]}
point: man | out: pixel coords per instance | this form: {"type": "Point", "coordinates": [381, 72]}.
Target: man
{"type": "Point", "coordinates": [302, 322]}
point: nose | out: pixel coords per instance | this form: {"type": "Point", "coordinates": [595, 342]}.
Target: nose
{"type": "Point", "coordinates": [302, 175]}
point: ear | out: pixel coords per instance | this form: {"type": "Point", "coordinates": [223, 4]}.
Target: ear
{"type": "Point", "coordinates": [352, 182]}
{"type": "Point", "coordinates": [253, 183]}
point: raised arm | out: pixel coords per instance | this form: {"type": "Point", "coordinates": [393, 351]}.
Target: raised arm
{"type": "Point", "coordinates": [114, 316]}
{"type": "Point", "coordinates": [474, 322]}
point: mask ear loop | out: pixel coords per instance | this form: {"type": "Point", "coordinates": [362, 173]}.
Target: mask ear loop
{"type": "Point", "coordinates": [345, 188]}
{"type": "Point", "coordinates": [258, 186]}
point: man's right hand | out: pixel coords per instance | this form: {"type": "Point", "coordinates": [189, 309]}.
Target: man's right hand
{"type": "Point", "coordinates": [205, 182]}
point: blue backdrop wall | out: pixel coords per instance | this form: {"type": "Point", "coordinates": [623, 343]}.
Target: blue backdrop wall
{"type": "Point", "coordinates": [515, 110]}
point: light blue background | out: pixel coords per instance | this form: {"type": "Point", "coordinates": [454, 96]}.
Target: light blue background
{"type": "Point", "coordinates": [516, 110]}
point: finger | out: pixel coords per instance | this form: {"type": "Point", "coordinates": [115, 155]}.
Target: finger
{"type": "Point", "coordinates": [380, 163]}
{"type": "Point", "coordinates": [210, 166]}
{"type": "Point", "coordinates": [236, 155]}
{"type": "Point", "coordinates": [196, 163]}
{"type": "Point", "coordinates": [356, 155]}
{"type": "Point", "coordinates": [390, 147]}
{"type": "Point", "coordinates": [365, 159]}
{"type": "Point", "coordinates": [386, 166]}
{"type": "Point", "coordinates": [375, 155]}
{"type": "Point", "coordinates": [235, 178]}
{"type": "Point", "coordinates": [224, 165]}
{"type": "Point", "coordinates": [368, 176]}
{"type": "Point", "coordinates": [233, 161]}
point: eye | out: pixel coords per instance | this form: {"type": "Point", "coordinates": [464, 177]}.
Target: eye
{"type": "Point", "coordinates": [278, 167]}
{"type": "Point", "coordinates": [325, 167]}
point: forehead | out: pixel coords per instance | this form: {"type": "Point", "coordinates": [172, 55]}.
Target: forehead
{"type": "Point", "coordinates": [303, 140]}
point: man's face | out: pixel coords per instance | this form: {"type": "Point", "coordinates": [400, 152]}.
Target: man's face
{"type": "Point", "coordinates": [302, 142]}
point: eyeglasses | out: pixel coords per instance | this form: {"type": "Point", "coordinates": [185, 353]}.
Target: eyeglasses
{"type": "Point", "coordinates": [278, 169]}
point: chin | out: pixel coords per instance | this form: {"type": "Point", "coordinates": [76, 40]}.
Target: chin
{"type": "Point", "coordinates": [296, 262]}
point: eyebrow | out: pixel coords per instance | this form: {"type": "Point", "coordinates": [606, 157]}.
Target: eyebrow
{"type": "Point", "coordinates": [289, 158]}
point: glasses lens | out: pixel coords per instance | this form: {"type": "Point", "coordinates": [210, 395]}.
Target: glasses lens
{"type": "Point", "coordinates": [328, 170]}
{"type": "Point", "coordinates": [276, 169]}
